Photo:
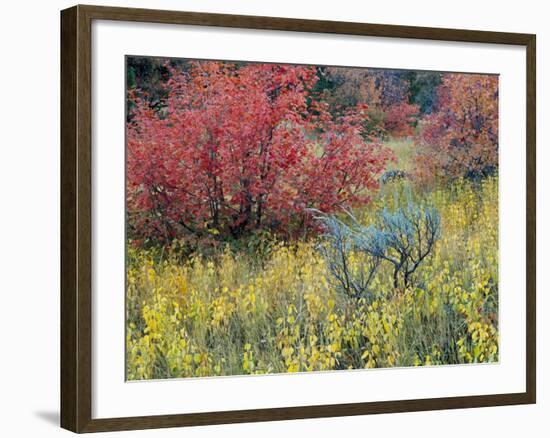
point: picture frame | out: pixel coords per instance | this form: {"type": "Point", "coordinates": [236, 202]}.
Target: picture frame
{"type": "Point", "coordinates": [77, 169]}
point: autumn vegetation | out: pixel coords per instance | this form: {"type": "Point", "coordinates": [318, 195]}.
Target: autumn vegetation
{"type": "Point", "coordinates": [286, 218]}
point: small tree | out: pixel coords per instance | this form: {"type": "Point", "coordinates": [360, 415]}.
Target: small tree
{"type": "Point", "coordinates": [341, 241]}
{"type": "Point", "coordinates": [403, 238]}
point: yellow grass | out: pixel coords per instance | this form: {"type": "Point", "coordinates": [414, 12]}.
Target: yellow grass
{"type": "Point", "coordinates": [234, 314]}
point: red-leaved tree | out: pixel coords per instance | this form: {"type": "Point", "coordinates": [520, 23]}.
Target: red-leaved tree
{"type": "Point", "coordinates": [241, 147]}
{"type": "Point", "coordinates": [400, 118]}
{"type": "Point", "coordinates": [461, 139]}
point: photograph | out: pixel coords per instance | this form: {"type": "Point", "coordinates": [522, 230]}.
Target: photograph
{"type": "Point", "coordinates": [287, 218]}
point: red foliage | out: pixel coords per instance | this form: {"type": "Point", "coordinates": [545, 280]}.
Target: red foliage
{"type": "Point", "coordinates": [400, 118]}
{"type": "Point", "coordinates": [241, 147]}
{"type": "Point", "coordinates": [461, 139]}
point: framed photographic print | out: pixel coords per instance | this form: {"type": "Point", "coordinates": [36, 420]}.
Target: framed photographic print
{"type": "Point", "coordinates": [268, 218]}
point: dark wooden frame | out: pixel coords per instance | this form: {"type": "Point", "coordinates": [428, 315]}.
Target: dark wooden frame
{"type": "Point", "coordinates": [76, 214]}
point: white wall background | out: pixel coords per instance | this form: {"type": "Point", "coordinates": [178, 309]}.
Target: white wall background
{"type": "Point", "coordinates": [29, 216]}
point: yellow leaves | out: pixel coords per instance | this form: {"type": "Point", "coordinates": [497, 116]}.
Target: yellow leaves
{"type": "Point", "coordinates": [151, 274]}
{"type": "Point", "coordinates": [222, 309]}
{"type": "Point", "coordinates": [293, 368]}
{"type": "Point", "coordinates": [287, 352]}
{"type": "Point", "coordinates": [386, 326]}
{"type": "Point", "coordinates": [224, 316]}
{"type": "Point", "coordinates": [371, 363]}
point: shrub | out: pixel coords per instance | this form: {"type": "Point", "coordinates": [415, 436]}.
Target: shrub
{"type": "Point", "coordinates": [351, 265]}
{"type": "Point", "coordinates": [237, 148]}
{"type": "Point", "coordinates": [403, 238]}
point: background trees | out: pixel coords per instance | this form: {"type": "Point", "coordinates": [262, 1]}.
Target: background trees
{"type": "Point", "coordinates": [393, 110]}
{"type": "Point", "coordinates": [461, 138]}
